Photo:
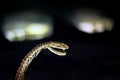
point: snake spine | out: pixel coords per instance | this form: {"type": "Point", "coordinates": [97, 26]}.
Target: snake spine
{"type": "Point", "coordinates": [51, 45]}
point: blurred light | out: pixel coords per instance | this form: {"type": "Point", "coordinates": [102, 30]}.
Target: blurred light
{"type": "Point", "coordinates": [38, 30]}
{"type": "Point", "coordinates": [86, 27]}
{"type": "Point", "coordinates": [91, 21]}
{"type": "Point", "coordinates": [27, 26]}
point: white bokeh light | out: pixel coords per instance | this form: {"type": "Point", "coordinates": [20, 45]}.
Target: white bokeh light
{"type": "Point", "coordinates": [91, 21]}
{"type": "Point", "coordinates": [28, 25]}
{"type": "Point", "coordinates": [86, 27]}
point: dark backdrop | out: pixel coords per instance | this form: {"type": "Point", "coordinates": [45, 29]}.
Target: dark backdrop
{"type": "Point", "coordinates": [90, 57]}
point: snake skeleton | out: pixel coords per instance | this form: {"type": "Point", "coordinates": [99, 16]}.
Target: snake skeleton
{"type": "Point", "coordinates": [35, 51]}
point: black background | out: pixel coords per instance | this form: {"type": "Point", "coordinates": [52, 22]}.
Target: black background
{"type": "Point", "coordinates": [90, 57]}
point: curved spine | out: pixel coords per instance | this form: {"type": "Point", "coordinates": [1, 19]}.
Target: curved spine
{"type": "Point", "coordinates": [26, 62]}
{"type": "Point", "coordinates": [33, 53]}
